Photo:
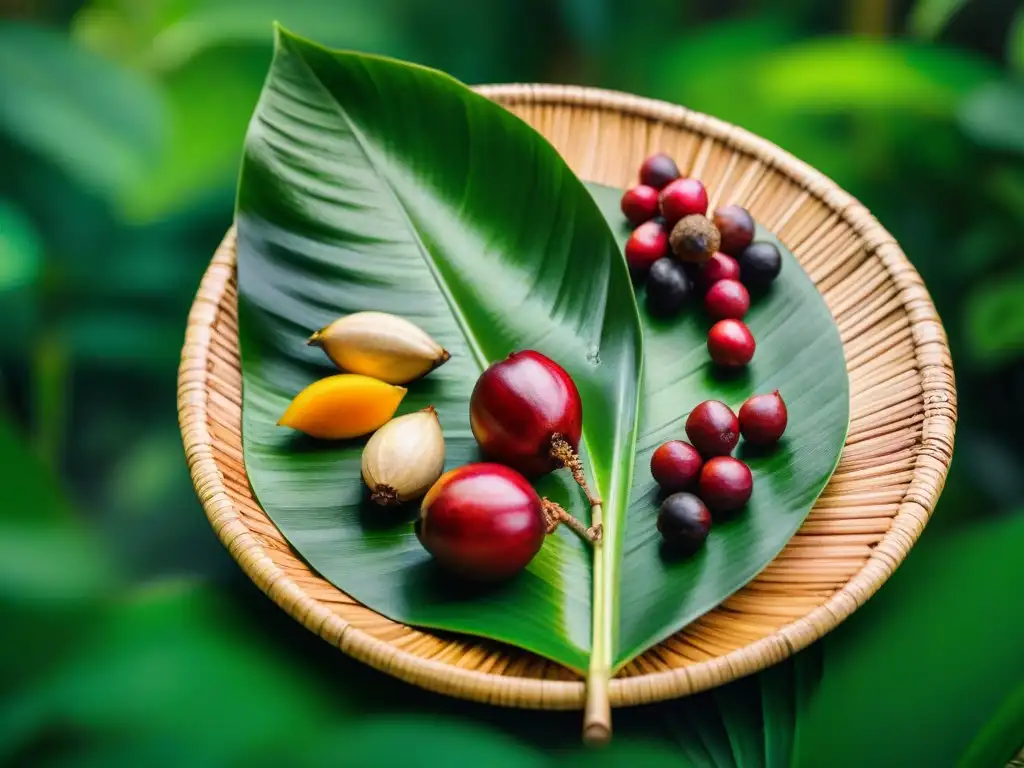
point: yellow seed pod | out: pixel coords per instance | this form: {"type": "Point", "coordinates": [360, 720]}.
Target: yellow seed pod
{"type": "Point", "coordinates": [343, 406]}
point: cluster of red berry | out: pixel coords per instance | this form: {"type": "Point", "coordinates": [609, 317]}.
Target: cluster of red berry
{"type": "Point", "coordinates": [676, 248]}
{"type": "Point", "coordinates": [723, 483]}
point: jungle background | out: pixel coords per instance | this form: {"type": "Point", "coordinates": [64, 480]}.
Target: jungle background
{"type": "Point", "coordinates": [127, 634]}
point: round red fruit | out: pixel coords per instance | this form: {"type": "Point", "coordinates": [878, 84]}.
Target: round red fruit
{"type": "Point", "coordinates": [519, 405]}
{"type": "Point", "coordinates": [640, 204]}
{"type": "Point", "coordinates": [658, 170]}
{"type": "Point", "coordinates": [730, 343]}
{"type": "Point", "coordinates": [719, 267]}
{"type": "Point", "coordinates": [713, 428]}
{"type": "Point", "coordinates": [725, 299]}
{"type": "Point", "coordinates": [675, 466]}
{"type": "Point", "coordinates": [737, 228]}
{"type": "Point", "coordinates": [725, 484]}
{"type": "Point", "coordinates": [681, 198]}
{"type": "Point", "coordinates": [647, 244]}
{"type": "Point", "coordinates": [763, 419]}
{"type": "Point", "coordinates": [482, 521]}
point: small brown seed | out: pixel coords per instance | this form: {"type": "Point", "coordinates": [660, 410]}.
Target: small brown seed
{"type": "Point", "coordinates": [695, 239]}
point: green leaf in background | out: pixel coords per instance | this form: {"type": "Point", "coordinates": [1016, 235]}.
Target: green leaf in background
{"type": "Point", "coordinates": [929, 17]}
{"type": "Point", "coordinates": [101, 124]}
{"type": "Point", "coordinates": [370, 184]}
{"type": "Point", "coordinates": [993, 116]}
{"type": "Point", "coordinates": [923, 666]}
{"type": "Point", "coordinates": [994, 324]}
{"type": "Point", "coordinates": [1015, 42]}
{"type": "Point", "coordinates": [845, 73]}
{"type": "Point", "coordinates": [20, 249]}
{"type": "Point", "coordinates": [189, 44]}
{"type": "Point", "coordinates": [800, 353]}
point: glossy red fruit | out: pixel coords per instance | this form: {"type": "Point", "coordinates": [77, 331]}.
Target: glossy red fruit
{"type": "Point", "coordinates": [647, 244]}
{"type": "Point", "coordinates": [719, 267]}
{"type": "Point", "coordinates": [725, 484]}
{"type": "Point", "coordinates": [737, 228]}
{"type": "Point", "coordinates": [713, 428]}
{"type": "Point", "coordinates": [482, 521]}
{"type": "Point", "coordinates": [676, 465]}
{"type": "Point", "coordinates": [763, 419]}
{"type": "Point", "coordinates": [640, 204]}
{"type": "Point", "coordinates": [658, 170]}
{"type": "Point", "coordinates": [681, 198]}
{"type": "Point", "coordinates": [730, 343]}
{"type": "Point", "coordinates": [519, 405]}
{"type": "Point", "coordinates": [727, 298]}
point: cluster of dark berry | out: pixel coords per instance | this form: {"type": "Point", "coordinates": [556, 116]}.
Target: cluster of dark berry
{"type": "Point", "coordinates": [676, 249]}
{"type": "Point", "coordinates": [700, 477]}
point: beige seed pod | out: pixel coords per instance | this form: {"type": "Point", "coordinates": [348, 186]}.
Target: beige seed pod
{"type": "Point", "coordinates": [404, 458]}
{"type": "Point", "coordinates": [381, 345]}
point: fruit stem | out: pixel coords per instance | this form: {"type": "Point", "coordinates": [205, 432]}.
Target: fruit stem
{"type": "Point", "coordinates": [385, 495]}
{"type": "Point", "coordinates": [597, 713]}
{"type": "Point", "coordinates": [555, 516]}
{"type": "Point", "coordinates": [564, 454]}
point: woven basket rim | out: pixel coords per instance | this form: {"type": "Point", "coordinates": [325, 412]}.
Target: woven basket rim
{"type": "Point", "coordinates": [930, 469]}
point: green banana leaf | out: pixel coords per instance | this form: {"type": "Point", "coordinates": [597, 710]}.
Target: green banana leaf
{"type": "Point", "coordinates": [372, 184]}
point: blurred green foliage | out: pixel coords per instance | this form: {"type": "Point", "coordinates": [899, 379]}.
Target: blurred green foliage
{"type": "Point", "coordinates": [129, 636]}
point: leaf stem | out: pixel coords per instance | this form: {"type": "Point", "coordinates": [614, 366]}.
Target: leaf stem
{"type": "Point", "coordinates": [597, 714]}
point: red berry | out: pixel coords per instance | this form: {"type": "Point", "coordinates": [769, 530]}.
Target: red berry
{"type": "Point", "coordinates": [719, 267]}
{"type": "Point", "coordinates": [647, 244]}
{"type": "Point", "coordinates": [482, 521]}
{"type": "Point", "coordinates": [763, 418]}
{"type": "Point", "coordinates": [713, 428]}
{"type": "Point", "coordinates": [518, 406]}
{"type": "Point", "coordinates": [658, 170]}
{"type": "Point", "coordinates": [730, 343]}
{"type": "Point", "coordinates": [640, 204]}
{"type": "Point", "coordinates": [675, 465]}
{"type": "Point", "coordinates": [681, 198]}
{"type": "Point", "coordinates": [737, 228]}
{"type": "Point", "coordinates": [725, 484]}
{"type": "Point", "coordinates": [727, 298]}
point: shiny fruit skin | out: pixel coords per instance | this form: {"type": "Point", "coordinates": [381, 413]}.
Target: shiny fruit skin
{"type": "Point", "coordinates": [482, 521]}
{"type": "Point", "coordinates": [668, 288]}
{"type": "Point", "coordinates": [725, 484]}
{"type": "Point", "coordinates": [731, 344]}
{"type": "Point", "coordinates": [713, 428]}
{"type": "Point", "coordinates": [518, 405]}
{"type": "Point", "coordinates": [763, 419]}
{"type": "Point", "coordinates": [737, 228]}
{"type": "Point", "coordinates": [647, 244]}
{"type": "Point", "coordinates": [675, 466]}
{"type": "Point", "coordinates": [658, 170]}
{"type": "Point", "coordinates": [719, 267]}
{"type": "Point", "coordinates": [725, 299]}
{"type": "Point", "coordinates": [681, 198]}
{"type": "Point", "coordinates": [684, 522]}
{"type": "Point", "coordinates": [640, 204]}
{"type": "Point", "coordinates": [760, 264]}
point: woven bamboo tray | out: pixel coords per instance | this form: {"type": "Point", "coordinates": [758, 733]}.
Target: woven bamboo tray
{"type": "Point", "coordinates": [893, 466]}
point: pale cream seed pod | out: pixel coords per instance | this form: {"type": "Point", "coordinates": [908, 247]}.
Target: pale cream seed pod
{"type": "Point", "coordinates": [381, 345]}
{"type": "Point", "coordinates": [404, 458]}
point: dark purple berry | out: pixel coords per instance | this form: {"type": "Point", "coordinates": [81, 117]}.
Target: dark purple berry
{"type": "Point", "coordinates": [684, 522]}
